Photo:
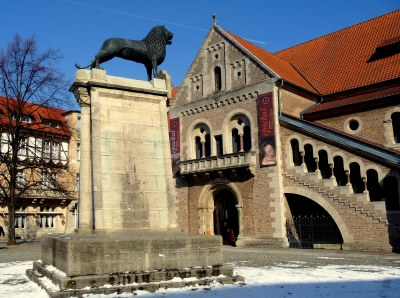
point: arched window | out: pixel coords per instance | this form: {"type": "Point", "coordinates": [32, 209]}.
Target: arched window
{"type": "Point", "coordinates": [202, 141]}
{"type": "Point", "coordinates": [324, 167]}
{"type": "Point", "coordinates": [207, 146]}
{"type": "Point", "coordinates": [396, 127]}
{"type": "Point", "coordinates": [391, 193]}
{"type": "Point", "coordinates": [297, 160]}
{"type": "Point", "coordinates": [309, 158]}
{"type": "Point", "coordinates": [235, 141]}
{"type": "Point", "coordinates": [217, 77]}
{"type": "Point", "coordinates": [247, 138]}
{"type": "Point", "coordinates": [374, 189]}
{"type": "Point", "coordinates": [355, 178]}
{"type": "Point", "coordinates": [198, 148]}
{"type": "Point", "coordinates": [240, 134]}
{"type": "Point", "coordinates": [338, 171]}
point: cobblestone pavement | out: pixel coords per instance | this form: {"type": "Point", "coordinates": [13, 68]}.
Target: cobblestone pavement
{"type": "Point", "coordinates": [251, 257]}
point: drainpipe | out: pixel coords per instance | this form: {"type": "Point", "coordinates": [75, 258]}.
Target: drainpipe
{"type": "Point", "coordinates": [279, 98]}
{"type": "Point", "coordinates": [309, 108]}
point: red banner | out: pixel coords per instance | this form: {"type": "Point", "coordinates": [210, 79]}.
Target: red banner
{"type": "Point", "coordinates": [174, 142]}
{"type": "Point", "coordinates": [267, 129]}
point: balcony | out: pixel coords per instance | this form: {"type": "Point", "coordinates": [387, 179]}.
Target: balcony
{"type": "Point", "coordinates": [218, 163]}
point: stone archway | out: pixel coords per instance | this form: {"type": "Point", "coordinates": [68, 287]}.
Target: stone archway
{"type": "Point", "coordinates": [206, 205]}
{"type": "Point", "coordinates": [344, 231]}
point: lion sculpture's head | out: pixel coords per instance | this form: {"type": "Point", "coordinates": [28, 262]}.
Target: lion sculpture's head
{"type": "Point", "coordinates": [156, 42]}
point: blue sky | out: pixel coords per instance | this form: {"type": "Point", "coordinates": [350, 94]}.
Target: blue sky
{"type": "Point", "coordinates": [79, 27]}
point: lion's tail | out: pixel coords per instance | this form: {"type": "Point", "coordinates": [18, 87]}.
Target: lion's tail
{"type": "Point", "coordinates": [84, 67]}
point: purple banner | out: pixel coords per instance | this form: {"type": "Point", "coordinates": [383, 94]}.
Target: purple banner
{"type": "Point", "coordinates": [267, 129]}
{"type": "Point", "coordinates": [174, 142]}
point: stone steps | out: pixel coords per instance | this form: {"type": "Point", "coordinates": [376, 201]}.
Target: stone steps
{"type": "Point", "coordinates": [350, 200]}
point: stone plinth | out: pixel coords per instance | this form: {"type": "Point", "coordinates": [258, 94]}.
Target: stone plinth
{"type": "Point", "coordinates": [127, 225]}
{"type": "Point", "coordinates": [126, 180]}
{"type": "Point", "coordinates": [78, 255]}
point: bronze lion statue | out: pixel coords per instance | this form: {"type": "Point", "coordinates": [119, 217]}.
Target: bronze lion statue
{"type": "Point", "coordinates": [150, 51]}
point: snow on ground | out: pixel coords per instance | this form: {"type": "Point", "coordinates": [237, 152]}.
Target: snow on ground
{"type": "Point", "coordinates": [284, 280]}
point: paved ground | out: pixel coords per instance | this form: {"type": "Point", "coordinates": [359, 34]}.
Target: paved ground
{"type": "Point", "coordinates": [251, 257]}
{"type": "Point", "coordinates": [308, 257]}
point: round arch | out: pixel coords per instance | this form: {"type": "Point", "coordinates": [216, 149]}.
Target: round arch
{"type": "Point", "coordinates": [206, 203]}
{"type": "Point", "coordinates": [347, 237]}
{"type": "Point", "coordinates": [191, 150]}
{"type": "Point", "coordinates": [227, 127]}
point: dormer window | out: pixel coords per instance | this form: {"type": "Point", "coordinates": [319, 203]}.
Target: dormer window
{"type": "Point", "coordinates": [23, 118]}
{"type": "Point", "coordinates": [387, 48]}
{"type": "Point", "coordinates": [51, 123]}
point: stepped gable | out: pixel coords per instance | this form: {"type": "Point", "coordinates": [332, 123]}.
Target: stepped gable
{"type": "Point", "coordinates": [281, 67]}
{"type": "Point", "coordinates": [360, 55]}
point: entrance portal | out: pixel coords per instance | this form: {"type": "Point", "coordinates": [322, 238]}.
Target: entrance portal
{"type": "Point", "coordinates": [225, 216]}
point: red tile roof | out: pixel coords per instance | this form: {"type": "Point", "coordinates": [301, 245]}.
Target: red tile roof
{"type": "Point", "coordinates": [173, 93]}
{"type": "Point", "coordinates": [281, 67]}
{"type": "Point", "coordinates": [38, 113]}
{"type": "Point", "coordinates": [339, 61]}
{"type": "Point", "coordinates": [356, 99]}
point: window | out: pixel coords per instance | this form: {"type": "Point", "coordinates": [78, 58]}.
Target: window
{"type": "Point", "coordinates": [20, 218]}
{"type": "Point", "coordinates": [375, 192]}
{"type": "Point", "coordinates": [51, 123]}
{"type": "Point", "coordinates": [309, 158]}
{"type": "Point", "coordinates": [48, 179]}
{"type": "Point", "coordinates": [296, 155]}
{"type": "Point", "coordinates": [355, 178]}
{"type": "Point", "coordinates": [21, 179]}
{"type": "Point", "coordinates": [78, 151]}
{"type": "Point", "coordinates": [247, 138]}
{"type": "Point", "coordinates": [338, 171]}
{"type": "Point", "coordinates": [55, 151]}
{"type": "Point", "coordinates": [77, 180]}
{"type": "Point", "coordinates": [23, 145]}
{"type": "Point", "coordinates": [396, 127]}
{"type": "Point", "coordinates": [46, 149]}
{"type": "Point", "coordinates": [235, 141]}
{"type": "Point", "coordinates": [353, 125]}
{"type": "Point", "coordinates": [324, 166]}
{"type": "Point", "coordinates": [218, 142]}
{"type": "Point", "coordinates": [23, 118]}
{"type": "Point", "coordinates": [391, 193]}
{"type": "Point", "coordinates": [45, 179]}
{"type": "Point", "coordinates": [217, 77]}
{"type": "Point", "coordinates": [47, 220]}
{"type": "Point", "coordinates": [79, 123]}
{"type": "Point", "coordinates": [198, 148]}
{"type": "Point", "coordinates": [75, 216]}
{"type": "Point", "coordinates": [26, 118]}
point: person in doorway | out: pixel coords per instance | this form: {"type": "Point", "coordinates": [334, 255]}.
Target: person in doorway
{"type": "Point", "coordinates": [268, 153]}
{"type": "Point", "coordinates": [2, 231]}
{"type": "Point", "coordinates": [232, 239]}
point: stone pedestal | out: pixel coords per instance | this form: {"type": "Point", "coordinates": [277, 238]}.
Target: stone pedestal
{"type": "Point", "coordinates": [126, 203]}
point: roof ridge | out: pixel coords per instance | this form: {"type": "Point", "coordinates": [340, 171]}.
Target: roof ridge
{"type": "Point", "coordinates": [335, 32]}
{"type": "Point", "coordinates": [270, 68]}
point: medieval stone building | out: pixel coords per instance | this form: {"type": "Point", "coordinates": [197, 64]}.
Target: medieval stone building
{"type": "Point", "coordinates": [297, 148]}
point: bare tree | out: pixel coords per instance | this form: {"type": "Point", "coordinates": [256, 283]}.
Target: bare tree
{"type": "Point", "coordinates": [30, 83]}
